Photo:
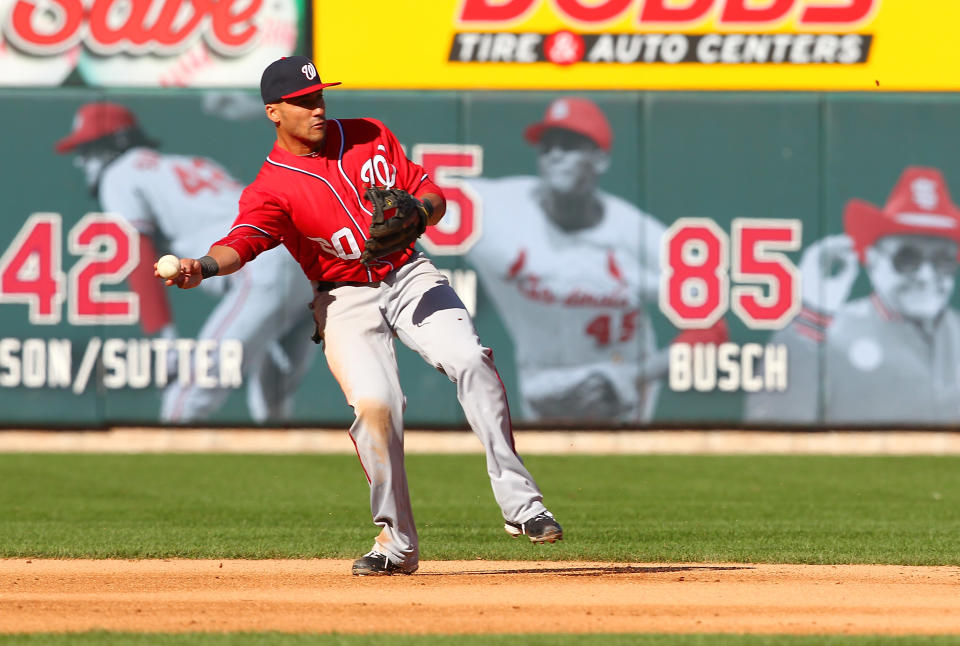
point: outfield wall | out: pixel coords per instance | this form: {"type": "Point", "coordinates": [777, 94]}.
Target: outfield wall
{"type": "Point", "coordinates": [600, 327]}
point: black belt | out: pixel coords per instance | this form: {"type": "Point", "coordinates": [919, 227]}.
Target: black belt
{"type": "Point", "coordinates": [326, 285]}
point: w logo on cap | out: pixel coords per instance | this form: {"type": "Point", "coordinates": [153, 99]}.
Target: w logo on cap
{"type": "Point", "coordinates": [289, 77]}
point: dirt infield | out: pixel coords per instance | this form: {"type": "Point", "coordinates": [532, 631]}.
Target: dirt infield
{"type": "Point", "coordinates": [476, 597]}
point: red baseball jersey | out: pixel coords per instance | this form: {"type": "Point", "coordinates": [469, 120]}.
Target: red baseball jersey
{"type": "Point", "coordinates": [314, 204]}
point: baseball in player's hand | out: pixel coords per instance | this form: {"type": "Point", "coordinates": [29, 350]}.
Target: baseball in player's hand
{"type": "Point", "coordinates": [185, 274]}
{"type": "Point", "coordinates": [168, 266]}
{"type": "Point", "coordinates": [828, 269]}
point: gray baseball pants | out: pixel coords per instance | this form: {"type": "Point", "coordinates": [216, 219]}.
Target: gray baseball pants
{"type": "Point", "coordinates": [415, 303]}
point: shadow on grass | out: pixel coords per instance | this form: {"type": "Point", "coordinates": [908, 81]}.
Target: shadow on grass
{"type": "Point", "coordinates": [599, 570]}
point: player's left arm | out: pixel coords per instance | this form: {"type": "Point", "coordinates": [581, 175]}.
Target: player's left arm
{"type": "Point", "coordinates": [412, 178]}
{"type": "Point", "coordinates": [438, 204]}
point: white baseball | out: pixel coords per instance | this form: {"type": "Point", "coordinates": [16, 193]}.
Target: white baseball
{"type": "Point", "coordinates": [168, 266]}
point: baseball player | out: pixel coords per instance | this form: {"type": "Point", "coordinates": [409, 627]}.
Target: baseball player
{"type": "Point", "coordinates": [901, 339]}
{"type": "Point", "coordinates": [176, 198]}
{"type": "Point", "coordinates": [320, 194]}
{"type": "Point", "coordinates": [556, 248]}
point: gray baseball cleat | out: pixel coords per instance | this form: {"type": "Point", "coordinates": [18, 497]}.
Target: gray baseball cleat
{"type": "Point", "coordinates": [542, 528]}
{"type": "Point", "coordinates": [373, 563]}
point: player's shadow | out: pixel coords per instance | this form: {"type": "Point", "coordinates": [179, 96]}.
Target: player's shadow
{"type": "Point", "coordinates": [598, 570]}
{"type": "Point", "coordinates": [433, 300]}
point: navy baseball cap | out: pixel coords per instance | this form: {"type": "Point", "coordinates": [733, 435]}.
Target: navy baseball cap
{"type": "Point", "coordinates": [288, 77]}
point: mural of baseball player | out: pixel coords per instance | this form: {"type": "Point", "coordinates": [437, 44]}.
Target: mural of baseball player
{"type": "Point", "coordinates": [176, 200]}
{"type": "Point", "coordinates": [313, 195]}
{"type": "Point", "coordinates": [892, 356]}
{"type": "Point", "coordinates": [557, 248]}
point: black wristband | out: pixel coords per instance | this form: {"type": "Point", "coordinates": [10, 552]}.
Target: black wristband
{"type": "Point", "coordinates": [208, 267]}
{"type": "Point", "coordinates": [427, 207]}
{"type": "Point", "coordinates": [426, 212]}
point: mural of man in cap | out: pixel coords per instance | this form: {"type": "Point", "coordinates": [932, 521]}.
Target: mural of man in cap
{"type": "Point", "coordinates": [892, 356]}
{"type": "Point", "coordinates": [569, 268]}
{"type": "Point", "coordinates": [173, 201]}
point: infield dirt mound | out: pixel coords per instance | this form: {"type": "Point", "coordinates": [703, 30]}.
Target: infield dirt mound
{"type": "Point", "coordinates": [476, 597]}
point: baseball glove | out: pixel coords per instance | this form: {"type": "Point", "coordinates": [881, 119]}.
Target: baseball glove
{"type": "Point", "coordinates": [390, 232]}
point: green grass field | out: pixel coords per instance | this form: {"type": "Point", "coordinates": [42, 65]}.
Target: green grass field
{"type": "Point", "coordinates": [900, 510]}
{"type": "Point", "coordinates": [803, 509]}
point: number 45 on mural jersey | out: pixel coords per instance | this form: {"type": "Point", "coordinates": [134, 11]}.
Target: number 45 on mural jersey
{"type": "Point", "coordinates": [30, 270]}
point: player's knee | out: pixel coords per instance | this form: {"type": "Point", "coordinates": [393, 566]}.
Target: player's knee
{"type": "Point", "coordinates": [466, 360]}
{"type": "Point", "coordinates": [376, 416]}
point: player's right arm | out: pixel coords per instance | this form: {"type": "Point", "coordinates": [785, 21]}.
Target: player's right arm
{"type": "Point", "coordinates": [219, 261]}
{"type": "Point", "coordinates": [260, 226]}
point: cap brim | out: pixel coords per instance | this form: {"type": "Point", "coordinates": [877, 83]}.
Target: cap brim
{"type": "Point", "coordinates": [863, 222]}
{"type": "Point", "coordinates": [309, 89]}
{"type": "Point", "coordinates": [534, 132]}
{"type": "Point", "coordinates": [70, 142]}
